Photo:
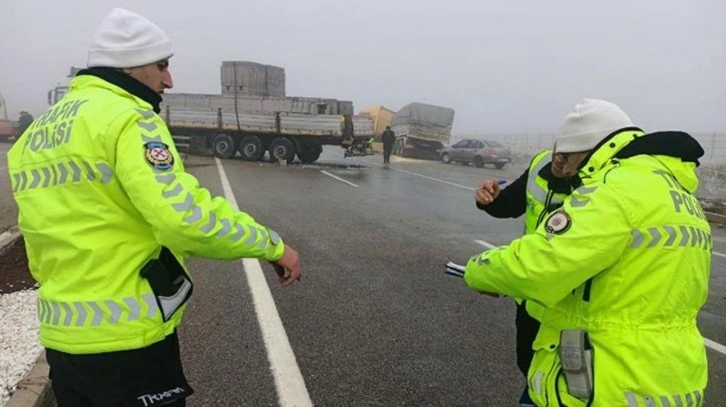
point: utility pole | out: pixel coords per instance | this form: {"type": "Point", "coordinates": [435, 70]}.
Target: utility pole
{"type": "Point", "coordinates": [4, 108]}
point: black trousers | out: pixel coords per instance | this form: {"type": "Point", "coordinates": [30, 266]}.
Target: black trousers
{"type": "Point", "coordinates": [148, 377]}
{"type": "Point", "coordinates": [387, 153]}
{"type": "Point", "coordinates": [527, 328]}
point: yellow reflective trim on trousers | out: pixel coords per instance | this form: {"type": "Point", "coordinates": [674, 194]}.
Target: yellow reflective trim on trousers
{"type": "Point", "coordinates": [94, 313]}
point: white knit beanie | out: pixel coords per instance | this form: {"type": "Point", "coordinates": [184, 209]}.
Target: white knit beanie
{"type": "Point", "coordinates": [588, 123]}
{"type": "Point", "coordinates": [125, 40]}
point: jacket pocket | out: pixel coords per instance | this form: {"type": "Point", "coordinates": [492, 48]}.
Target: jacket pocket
{"type": "Point", "coordinates": [169, 282]}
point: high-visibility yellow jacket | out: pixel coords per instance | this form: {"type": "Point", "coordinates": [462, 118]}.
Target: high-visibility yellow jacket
{"type": "Point", "coordinates": [627, 259]}
{"type": "Point", "coordinates": [540, 198]}
{"type": "Point", "coordinates": [101, 193]}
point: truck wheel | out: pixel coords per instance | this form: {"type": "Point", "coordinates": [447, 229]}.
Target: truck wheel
{"type": "Point", "coordinates": [446, 158]}
{"type": "Point", "coordinates": [309, 153]}
{"type": "Point", "coordinates": [478, 161]}
{"type": "Point", "coordinates": [251, 148]}
{"type": "Point", "coordinates": [223, 146]}
{"type": "Point", "coordinates": [282, 149]}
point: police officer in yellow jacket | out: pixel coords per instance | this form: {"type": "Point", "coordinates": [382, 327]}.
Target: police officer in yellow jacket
{"type": "Point", "coordinates": [622, 269]}
{"type": "Point", "coordinates": [109, 214]}
{"type": "Point", "coordinates": [541, 189]}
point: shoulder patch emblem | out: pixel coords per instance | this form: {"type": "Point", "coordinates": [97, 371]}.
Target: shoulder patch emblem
{"type": "Point", "coordinates": [558, 223]}
{"type": "Point", "coordinates": [159, 156]}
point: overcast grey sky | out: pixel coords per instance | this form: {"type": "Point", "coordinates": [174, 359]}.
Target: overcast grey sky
{"type": "Point", "coordinates": [515, 66]}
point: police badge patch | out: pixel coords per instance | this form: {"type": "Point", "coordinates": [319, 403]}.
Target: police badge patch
{"type": "Point", "coordinates": [558, 223]}
{"type": "Point", "coordinates": [159, 156]}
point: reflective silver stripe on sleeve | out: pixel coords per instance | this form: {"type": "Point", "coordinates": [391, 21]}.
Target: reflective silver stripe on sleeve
{"type": "Point", "coordinates": [106, 171]}
{"type": "Point", "coordinates": [149, 127]}
{"type": "Point", "coordinates": [576, 202]}
{"type": "Point", "coordinates": [586, 190]}
{"type": "Point", "coordinates": [146, 114]}
{"type": "Point", "coordinates": [148, 139]}
{"type": "Point", "coordinates": [637, 238]}
{"type": "Point", "coordinates": [174, 192]}
{"type": "Point", "coordinates": [195, 216]}
{"type": "Point", "coordinates": [253, 236]}
{"type": "Point", "coordinates": [274, 237]}
{"type": "Point", "coordinates": [649, 402]}
{"type": "Point", "coordinates": [68, 312]}
{"type": "Point", "coordinates": [632, 401]}
{"type": "Point", "coordinates": [263, 241]}
{"type": "Point", "coordinates": [166, 179]}
{"type": "Point", "coordinates": [240, 232]}
{"type": "Point", "coordinates": [210, 225]}
{"type": "Point", "coordinates": [678, 401]}
{"type": "Point", "coordinates": [226, 228]}
{"type": "Point", "coordinates": [689, 400]}
{"type": "Point", "coordinates": [184, 206]}
{"type": "Point", "coordinates": [81, 311]}
{"type": "Point", "coordinates": [134, 307]}
{"type": "Point", "coordinates": [665, 401]}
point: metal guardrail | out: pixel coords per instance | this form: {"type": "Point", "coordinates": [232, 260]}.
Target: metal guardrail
{"type": "Point", "coordinates": [714, 144]}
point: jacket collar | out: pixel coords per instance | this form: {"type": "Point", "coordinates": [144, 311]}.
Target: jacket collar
{"type": "Point", "coordinates": [127, 83]}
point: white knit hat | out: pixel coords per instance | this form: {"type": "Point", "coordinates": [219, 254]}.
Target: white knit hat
{"type": "Point", "coordinates": [125, 40]}
{"type": "Point", "coordinates": [588, 123]}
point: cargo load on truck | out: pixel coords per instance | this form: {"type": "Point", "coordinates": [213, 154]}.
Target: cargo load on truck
{"type": "Point", "coordinates": [240, 122]}
{"type": "Point", "coordinates": [422, 130]}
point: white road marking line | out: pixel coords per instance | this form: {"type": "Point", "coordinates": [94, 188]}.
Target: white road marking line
{"type": "Point", "coordinates": [289, 381]}
{"type": "Point", "coordinates": [339, 179]}
{"type": "Point", "coordinates": [709, 343]}
{"type": "Point", "coordinates": [431, 178]}
{"type": "Point", "coordinates": [715, 346]}
{"type": "Point", "coordinates": [486, 244]}
{"type": "Point", "coordinates": [718, 254]}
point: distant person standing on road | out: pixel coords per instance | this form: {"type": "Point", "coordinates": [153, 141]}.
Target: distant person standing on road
{"type": "Point", "coordinates": [388, 138]}
{"type": "Point", "coordinates": [109, 216]}
{"type": "Point", "coordinates": [24, 122]}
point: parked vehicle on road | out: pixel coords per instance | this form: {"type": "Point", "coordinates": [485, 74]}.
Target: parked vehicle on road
{"type": "Point", "coordinates": [479, 152]}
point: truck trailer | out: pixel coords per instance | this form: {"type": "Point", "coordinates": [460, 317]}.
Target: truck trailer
{"type": "Point", "coordinates": [422, 130]}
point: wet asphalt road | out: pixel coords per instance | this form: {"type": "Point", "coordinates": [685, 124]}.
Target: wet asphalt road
{"type": "Point", "coordinates": [374, 321]}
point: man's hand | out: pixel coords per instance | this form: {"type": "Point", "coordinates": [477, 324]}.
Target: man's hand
{"type": "Point", "coordinates": [288, 267]}
{"type": "Point", "coordinates": [488, 191]}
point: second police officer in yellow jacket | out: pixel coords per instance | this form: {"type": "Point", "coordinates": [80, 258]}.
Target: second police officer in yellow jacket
{"type": "Point", "coordinates": [622, 269]}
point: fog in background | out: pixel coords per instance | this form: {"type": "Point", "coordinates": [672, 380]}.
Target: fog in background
{"type": "Point", "coordinates": [505, 67]}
